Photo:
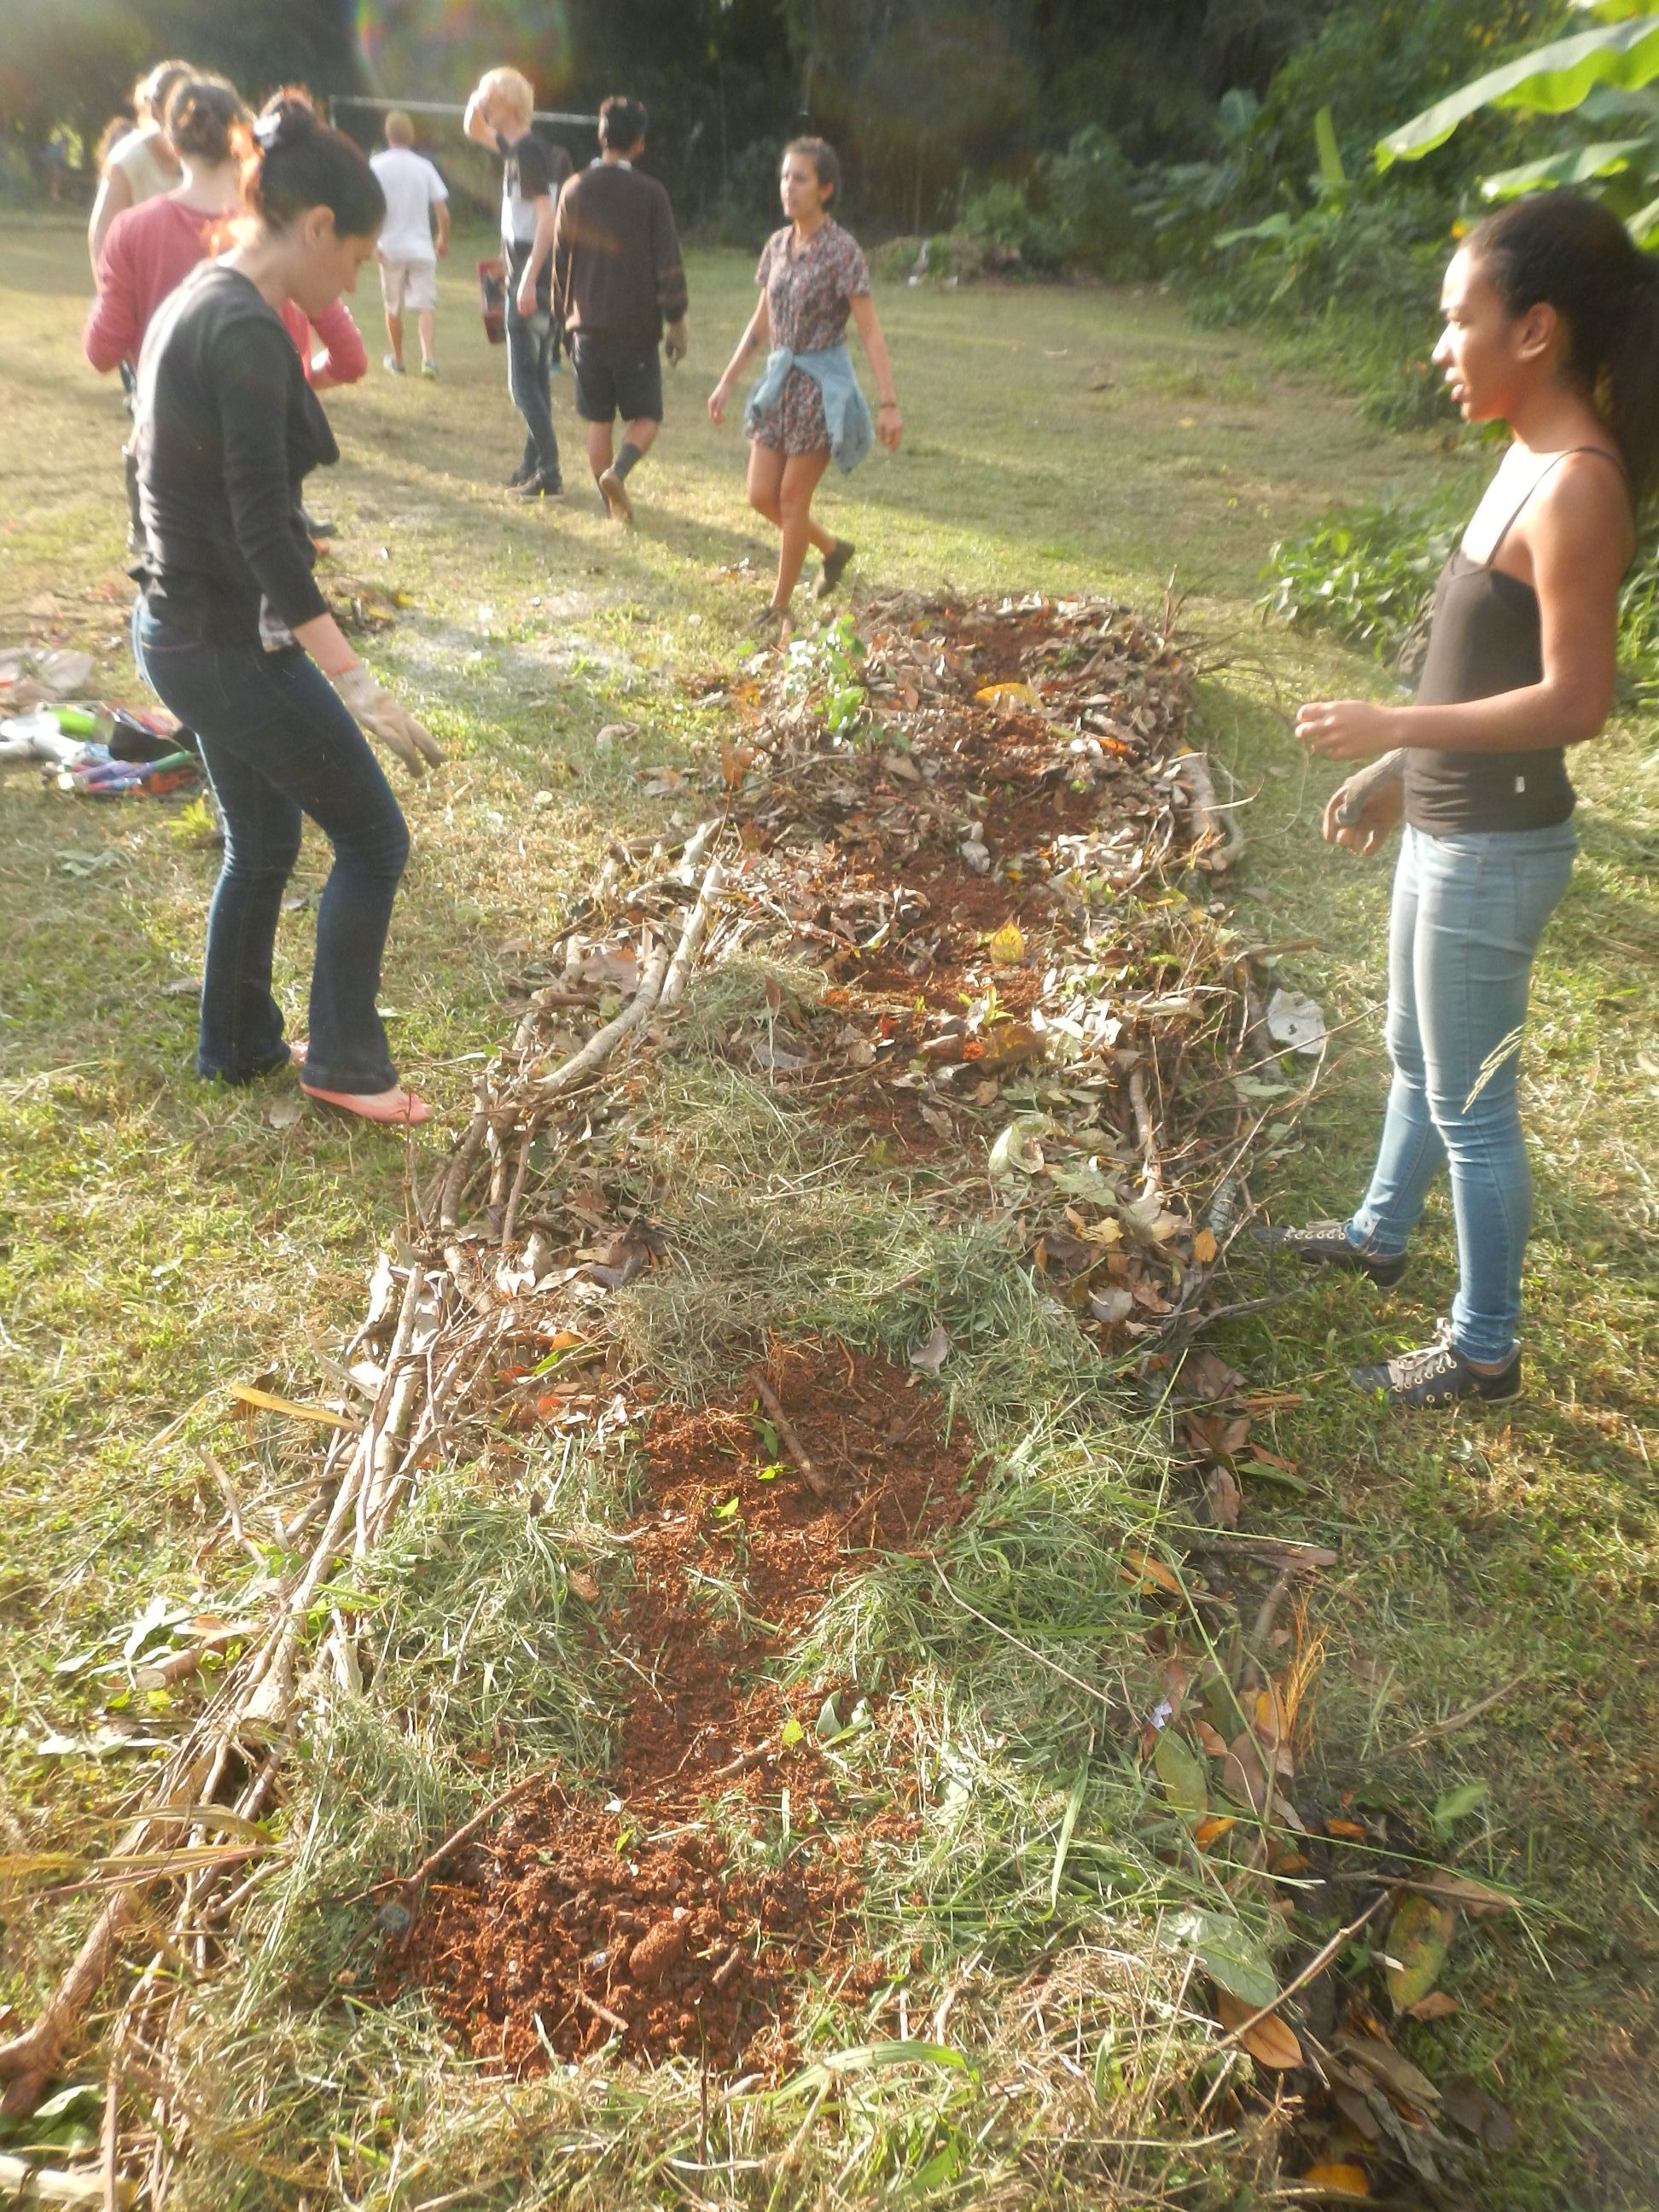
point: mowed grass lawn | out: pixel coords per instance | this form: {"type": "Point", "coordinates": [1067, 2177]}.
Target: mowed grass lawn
{"type": "Point", "coordinates": [158, 1239]}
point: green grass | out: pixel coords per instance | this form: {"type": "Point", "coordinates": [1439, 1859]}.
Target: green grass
{"type": "Point", "coordinates": [159, 1239]}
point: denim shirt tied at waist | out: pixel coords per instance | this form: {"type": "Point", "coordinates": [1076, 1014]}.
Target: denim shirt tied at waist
{"type": "Point", "coordinates": [852, 433]}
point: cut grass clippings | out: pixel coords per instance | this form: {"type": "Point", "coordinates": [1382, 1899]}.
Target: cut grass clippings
{"type": "Point", "coordinates": [1498, 1565]}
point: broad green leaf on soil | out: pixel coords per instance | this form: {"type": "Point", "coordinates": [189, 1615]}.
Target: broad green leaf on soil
{"type": "Point", "coordinates": [792, 1733]}
{"type": "Point", "coordinates": [1575, 164]}
{"type": "Point", "coordinates": [1457, 1804]}
{"type": "Point", "coordinates": [1419, 1937]}
{"type": "Point", "coordinates": [1017, 1151]}
{"type": "Point", "coordinates": [874, 2059]}
{"type": "Point", "coordinates": [1231, 1954]}
{"type": "Point", "coordinates": [1182, 1772]}
{"type": "Point", "coordinates": [1551, 80]}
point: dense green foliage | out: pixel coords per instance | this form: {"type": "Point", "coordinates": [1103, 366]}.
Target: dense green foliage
{"type": "Point", "coordinates": [1366, 575]}
{"type": "Point", "coordinates": [930, 100]}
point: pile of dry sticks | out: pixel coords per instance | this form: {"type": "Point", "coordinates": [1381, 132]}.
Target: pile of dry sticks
{"type": "Point", "coordinates": [999, 857]}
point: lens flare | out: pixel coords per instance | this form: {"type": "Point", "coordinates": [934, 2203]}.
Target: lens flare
{"type": "Point", "coordinates": [430, 47]}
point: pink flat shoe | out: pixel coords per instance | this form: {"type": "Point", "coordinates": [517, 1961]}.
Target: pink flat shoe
{"type": "Point", "coordinates": [397, 1108]}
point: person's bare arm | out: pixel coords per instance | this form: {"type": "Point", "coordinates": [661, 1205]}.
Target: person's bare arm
{"type": "Point", "coordinates": [754, 340]}
{"type": "Point", "coordinates": [1579, 535]}
{"type": "Point", "coordinates": [114, 197]}
{"type": "Point", "coordinates": [540, 246]}
{"type": "Point", "coordinates": [327, 644]}
{"type": "Point", "coordinates": [440, 217]}
{"type": "Point", "coordinates": [890, 425]}
{"type": "Point", "coordinates": [477, 122]}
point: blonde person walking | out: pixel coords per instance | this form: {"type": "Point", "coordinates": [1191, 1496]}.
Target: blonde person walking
{"type": "Point", "coordinates": [807, 409]}
{"type": "Point", "coordinates": [414, 240]}
{"type": "Point", "coordinates": [500, 115]}
{"type": "Point", "coordinates": [142, 164]}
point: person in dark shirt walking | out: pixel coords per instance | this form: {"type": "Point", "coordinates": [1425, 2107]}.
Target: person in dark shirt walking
{"type": "Point", "coordinates": [617, 280]}
{"type": "Point", "coordinates": [1552, 329]}
{"type": "Point", "coordinates": [232, 634]}
{"type": "Point", "coordinates": [499, 114]}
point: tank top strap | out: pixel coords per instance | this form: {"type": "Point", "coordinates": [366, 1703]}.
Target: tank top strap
{"type": "Point", "coordinates": [1526, 497]}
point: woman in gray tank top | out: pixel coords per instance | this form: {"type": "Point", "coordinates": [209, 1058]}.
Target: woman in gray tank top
{"type": "Point", "coordinates": [1552, 327]}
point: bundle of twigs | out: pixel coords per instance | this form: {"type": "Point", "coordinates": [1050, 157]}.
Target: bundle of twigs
{"type": "Point", "coordinates": [434, 1320]}
{"type": "Point", "coordinates": [429, 1344]}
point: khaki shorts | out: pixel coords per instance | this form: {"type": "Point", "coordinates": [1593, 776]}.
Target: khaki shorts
{"type": "Point", "coordinates": [412, 284]}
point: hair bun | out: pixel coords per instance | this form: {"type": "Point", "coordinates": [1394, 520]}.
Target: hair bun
{"type": "Point", "coordinates": [284, 123]}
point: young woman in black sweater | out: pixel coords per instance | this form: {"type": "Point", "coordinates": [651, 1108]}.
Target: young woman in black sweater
{"type": "Point", "coordinates": [1552, 328]}
{"type": "Point", "coordinates": [233, 633]}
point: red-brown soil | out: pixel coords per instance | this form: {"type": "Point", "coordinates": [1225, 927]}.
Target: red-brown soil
{"type": "Point", "coordinates": [576, 1916]}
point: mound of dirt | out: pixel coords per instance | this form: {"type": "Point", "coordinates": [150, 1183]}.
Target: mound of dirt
{"type": "Point", "coordinates": [677, 1913]}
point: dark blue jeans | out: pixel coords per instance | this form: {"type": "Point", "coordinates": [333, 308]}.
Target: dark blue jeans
{"type": "Point", "coordinates": [278, 745]}
{"type": "Point", "coordinates": [529, 372]}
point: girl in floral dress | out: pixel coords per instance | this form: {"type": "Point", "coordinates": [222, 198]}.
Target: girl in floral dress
{"type": "Point", "coordinates": [807, 408]}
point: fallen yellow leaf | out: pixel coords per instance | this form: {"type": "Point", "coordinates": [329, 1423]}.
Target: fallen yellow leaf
{"type": "Point", "coordinates": [1008, 945]}
{"type": "Point", "coordinates": [1007, 695]}
{"type": "Point", "coordinates": [1137, 1565]}
{"type": "Point", "coordinates": [270, 1403]}
{"type": "Point", "coordinates": [1268, 2040]}
{"type": "Point", "coordinates": [1205, 1246]}
{"type": "Point", "coordinates": [1212, 1830]}
{"type": "Point", "coordinates": [1339, 2179]}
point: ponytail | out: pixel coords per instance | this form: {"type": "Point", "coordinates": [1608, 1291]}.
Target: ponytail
{"type": "Point", "coordinates": [206, 120]}
{"type": "Point", "coordinates": [1563, 250]}
{"type": "Point", "coordinates": [298, 163]}
{"type": "Point", "coordinates": [1632, 405]}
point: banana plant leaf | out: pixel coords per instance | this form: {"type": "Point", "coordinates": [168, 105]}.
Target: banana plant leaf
{"type": "Point", "coordinates": [1275, 228]}
{"type": "Point", "coordinates": [1576, 165]}
{"type": "Point", "coordinates": [1332, 174]}
{"type": "Point", "coordinates": [1551, 81]}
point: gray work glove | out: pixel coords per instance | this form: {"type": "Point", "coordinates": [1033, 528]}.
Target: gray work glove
{"type": "Point", "coordinates": [677, 341]}
{"type": "Point", "coordinates": [1360, 812]}
{"type": "Point", "coordinates": [386, 721]}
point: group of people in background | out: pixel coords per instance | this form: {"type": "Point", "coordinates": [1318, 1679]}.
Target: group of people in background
{"type": "Point", "coordinates": [223, 242]}
{"type": "Point", "coordinates": [592, 265]}
{"type": "Point", "coordinates": [1552, 330]}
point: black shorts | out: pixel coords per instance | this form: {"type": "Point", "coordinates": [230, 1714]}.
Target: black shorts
{"type": "Point", "coordinates": [614, 378]}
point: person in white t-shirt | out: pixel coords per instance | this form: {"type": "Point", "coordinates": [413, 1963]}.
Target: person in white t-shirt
{"type": "Point", "coordinates": [416, 197]}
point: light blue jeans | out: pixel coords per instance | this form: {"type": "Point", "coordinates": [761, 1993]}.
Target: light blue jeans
{"type": "Point", "coordinates": [1467, 914]}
